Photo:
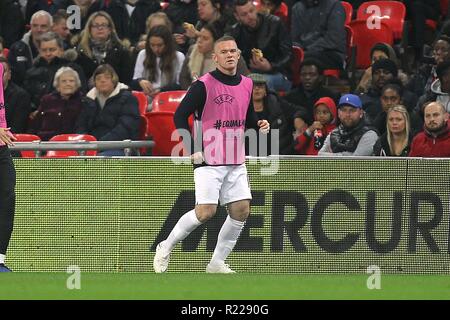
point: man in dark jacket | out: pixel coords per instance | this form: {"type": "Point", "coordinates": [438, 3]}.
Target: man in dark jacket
{"type": "Point", "coordinates": [310, 90]}
{"type": "Point", "coordinates": [22, 52]}
{"type": "Point", "coordinates": [17, 102]}
{"type": "Point", "coordinates": [39, 79]}
{"type": "Point", "coordinates": [317, 26]}
{"type": "Point", "coordinates": [268, 34]}
{"type": "Point", "coordinates": [112, 114]}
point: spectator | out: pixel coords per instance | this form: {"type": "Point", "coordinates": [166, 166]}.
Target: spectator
{"type": "Point", "coordinates": [391, 95]}
{"type": "Point", "coordinates": [39, 79]}
{"type": "Point", "coordinates": [434, 141]}
{"type": "Point", "coordinates": [100, 44]}
{"type": "Point", "coordinates": [383, 71]}
{"type": "Point", "coordinates": [59, 110]}
{"type": "Point", "coordinates": [267, 106]}
{"type": "Point", "coordinates": [310, 90]}
{"type": "Point", "coordinates": [158, 66]}
{"type": "Point", "coordinates": [12, 24]}
{"type": "Point", "coordinates": [353, 137]}
{"type": "Point", "coordinates": [418, 11]}
{"type": "Point", "coordinates": [60, 27]}
{"type": "Point", "coordinates": [440, 88]}
{"type": "Point", "coordinates": [118, 13]}
{"type": "Point", "coordinates": [199, 57]}
{"type": "Point", "coordinates": [155, 19]}
{"type": "Point", "coordinates": [396, 139]}
{"type": "Point", "coordinates": [425, 75]}
{"type": "Point", "coordinates": [111, 112]}
{"type": "Point", "coordinates": [17, 102]}
{"type": "Point", "coordinates": [379, 51]}
{"type": "Point", "coordinates": [274, 7]}
{"type": "Point", "coordinates": [268, 34]}
{"type": "Point", "coordinates": [22, 52]}
{"type": "Point", "coordinates": [318, 28]}
{"type": "Point", "coordinates": [312, 139]}
{"type": "Point", "coordinates": [138, 11]}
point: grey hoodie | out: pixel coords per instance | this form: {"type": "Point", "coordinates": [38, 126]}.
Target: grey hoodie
{"type": "Point", "coordinates": [441, 97]}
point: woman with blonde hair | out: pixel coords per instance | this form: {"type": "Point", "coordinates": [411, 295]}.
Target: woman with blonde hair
{"type": "Point", "coordinates": [99, 44]}
{"type": "Point", "coordinates": [396, 141]}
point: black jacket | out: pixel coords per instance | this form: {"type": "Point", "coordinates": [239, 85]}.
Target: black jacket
{"type": "Point", "coordinates": [20, 57]}
{"type": "Point", "coordinates": [320, 28]}
{"type": "Point", "coordinates": [118, 120]}
{"type": "Point", "coordinates": [17, 108]}
{"type": "Point", "coordinates": [12, 24]}
{"type": "Point", "coordinates": [118, 57]}
{"type": "Point", "coordinates": [382, 149]}
{"type": "Point", "coordinates": [271, 37]}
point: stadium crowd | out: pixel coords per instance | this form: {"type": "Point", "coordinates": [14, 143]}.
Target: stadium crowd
{"type": "Point", "coordinates": [83, 66]}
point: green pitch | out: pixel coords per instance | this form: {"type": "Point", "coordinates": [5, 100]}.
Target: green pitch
{"type": "Point", "coordinates": [221, 287]}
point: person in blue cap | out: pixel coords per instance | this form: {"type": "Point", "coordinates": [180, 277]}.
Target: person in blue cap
{"type": "Point", "coordinates": [354, 136]}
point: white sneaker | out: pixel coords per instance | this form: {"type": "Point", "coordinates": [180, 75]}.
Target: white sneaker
{"type": "Point", "coordinates": [219, 268]}
{"type": "Point", "coordinates": [161, 259]}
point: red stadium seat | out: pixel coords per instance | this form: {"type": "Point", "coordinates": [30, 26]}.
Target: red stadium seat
{"type": "Point", "coordinates": [348, 11]}
{"type": "Point", "coordinates": [364, 39]}
{"type": "Point", "coordinates": [160, 127]}
{"type": "Point", "coordinates": [67, 138]}
{"type": "Point", "coordinates": [25, 137]}
{"type": "Point", "coordinates": [390, 12]}
{"type": "Point", "coordinates": [168, 100]}
{"type": "Point", "coordinates": [142, 101]}
{"type": "Point", "coordinates": [297, 59]}
{"type": "Point", "coordinates": [444, 7]}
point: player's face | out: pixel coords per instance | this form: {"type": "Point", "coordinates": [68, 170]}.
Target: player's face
{"type": "Point", "coordinates": [226, 55]}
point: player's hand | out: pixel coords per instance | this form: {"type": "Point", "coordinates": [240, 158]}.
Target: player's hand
{"type": "Point", "coordinates": [197, 158]}
{"type": "Point", "coordinates": [7, 137]}
{"type": "Point", "coordinates": [264, 126]}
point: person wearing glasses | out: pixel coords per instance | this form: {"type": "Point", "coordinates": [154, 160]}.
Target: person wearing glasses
{"type": "Point", "coordinates": [100, 44]}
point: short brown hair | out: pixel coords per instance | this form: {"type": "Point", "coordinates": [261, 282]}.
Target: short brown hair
{"type": "Point", "coordinates": [106, 69]}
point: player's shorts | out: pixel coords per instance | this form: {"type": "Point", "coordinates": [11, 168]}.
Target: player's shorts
{"type": "Point", "coordinates": [221, 183]}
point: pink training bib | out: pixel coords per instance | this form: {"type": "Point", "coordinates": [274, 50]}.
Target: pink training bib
{"type": "Point", "coordinates": [223, 120]}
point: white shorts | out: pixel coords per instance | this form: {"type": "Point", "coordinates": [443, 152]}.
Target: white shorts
{"type": "Point", "coordinates": [221, 183]}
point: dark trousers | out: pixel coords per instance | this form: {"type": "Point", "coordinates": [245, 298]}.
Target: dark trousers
{"type": "Point", "coordinates": [7, 197]}
{"type": "Point", "coordinates": [418, 12]}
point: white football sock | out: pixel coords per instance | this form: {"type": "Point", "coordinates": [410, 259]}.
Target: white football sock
{"type": "Point", "coordinates": [228, 235]}
{"type": "Point", "coordinates": [187, 223]}
{"type": "Point", "coordinates": [2, 258]}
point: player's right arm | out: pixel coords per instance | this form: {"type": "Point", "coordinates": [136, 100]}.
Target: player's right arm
{"type": "Point", "coordinates": [193, 102]}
